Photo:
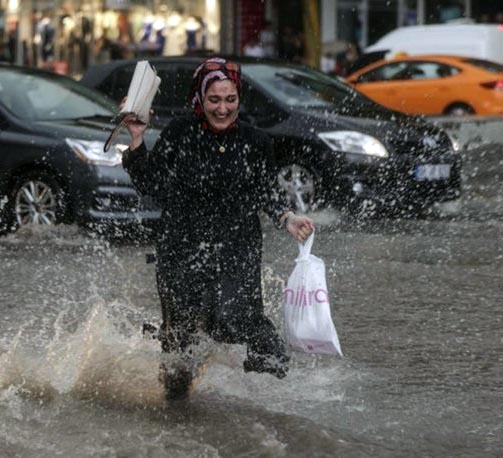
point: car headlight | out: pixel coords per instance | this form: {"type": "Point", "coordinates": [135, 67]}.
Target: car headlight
{"type": "Point", "coordinates": [352, 142]}
{"type": "Point", "coordinates": [92, 152]}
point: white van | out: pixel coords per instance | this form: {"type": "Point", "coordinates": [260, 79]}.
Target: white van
{"type": "Point", "coordinates": [484, 41]}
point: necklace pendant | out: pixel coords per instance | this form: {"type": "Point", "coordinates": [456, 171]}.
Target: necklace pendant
{"type": "Point", "coordinates": [221, 149]}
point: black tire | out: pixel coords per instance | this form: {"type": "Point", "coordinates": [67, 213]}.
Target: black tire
{"type": "Point", "coordinates": [459, 109]}
{"type": "Point", "coordinates": [36, 198]}
{"type": "Point", "coordinates": [299, 185]}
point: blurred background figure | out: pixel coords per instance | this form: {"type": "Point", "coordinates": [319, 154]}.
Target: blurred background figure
{"type": "Point", "coordinates": [44, 38]}
{"type": "Point", "coordinates": [4, 55]}
{"type": "Point", "coordinates": [346, 58]}
{"type": "Point", "coordinates": [484, 18]}
{"type": "Point", "coordinates": [267, 39]}
{"type": "Point", "coordinates": [192, 27]}
{"type": "Point", "coordinates": [291, 45]}
{"type": "Point", "coordinates": [254, 48]}
{"type": "Point", "coordinates": [328, 63]}
{"type": "Point", "coordinates": [152, 38]}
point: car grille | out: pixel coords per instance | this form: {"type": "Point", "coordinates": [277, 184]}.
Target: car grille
{"type": "Point", "coordinates": [428, 145]}
{"type": "Point", "coordinates": [124, 203]}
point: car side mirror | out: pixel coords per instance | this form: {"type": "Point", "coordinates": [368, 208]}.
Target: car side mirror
{"type": "Point", "coordinates": [352, 81]}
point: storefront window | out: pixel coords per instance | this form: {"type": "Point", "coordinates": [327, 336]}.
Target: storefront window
{"type": "Point", "coordinates": [164, 30]}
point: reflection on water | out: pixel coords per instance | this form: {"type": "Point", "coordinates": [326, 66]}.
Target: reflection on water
{"type": "Point", "coordinates": [417, 305]}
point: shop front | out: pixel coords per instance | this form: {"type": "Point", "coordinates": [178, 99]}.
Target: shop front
{"type": "Point", "coordinates": [67, 36]}
{"type": "Point", "coordinates": [127, 28]}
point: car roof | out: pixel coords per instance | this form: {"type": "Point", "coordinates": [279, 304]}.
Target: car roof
{"type": "Point", "coordinates": [444, 58]}
{"type": "Point", "coordinates": [97, 72]}
{"type": "Point", "coordinates": [31, 70]}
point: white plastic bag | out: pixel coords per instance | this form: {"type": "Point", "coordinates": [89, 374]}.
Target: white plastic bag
{"type": "Point", "coordinates": [308, 322]}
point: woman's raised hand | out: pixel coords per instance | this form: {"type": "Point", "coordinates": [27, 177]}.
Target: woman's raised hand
{"type": "Point", "coordinates": [135, 127]}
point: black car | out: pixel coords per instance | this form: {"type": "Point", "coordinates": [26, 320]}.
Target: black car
{"type": "Point", "coordinates": [334, 145]}
{"type": "Point", "coordinates": [52, 165]}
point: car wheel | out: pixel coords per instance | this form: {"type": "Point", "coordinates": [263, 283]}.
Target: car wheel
{"type": "Point", "coordinates": [459, 109]}
{"type": "Point", "coordinates": [298, 183]}
{"type": "Point", "coordinates": [37, 198]}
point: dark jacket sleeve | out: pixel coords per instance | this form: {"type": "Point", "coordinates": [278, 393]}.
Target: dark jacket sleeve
{"type": "Point", "coordinates": [150, 171]}
{"type": "Point", "coordinates": [273, 197]}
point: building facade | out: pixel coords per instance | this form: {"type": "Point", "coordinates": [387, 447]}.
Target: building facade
{"type": "Point", "coordinates": [77, 33]}
{"type": "Point", "coordinates": [365, 21]}
{"type": "Point", "coordinates": [69, 35]}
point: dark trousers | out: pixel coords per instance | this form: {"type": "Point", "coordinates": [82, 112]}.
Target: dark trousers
{"type": "Point", "coordinates": [227, 308]}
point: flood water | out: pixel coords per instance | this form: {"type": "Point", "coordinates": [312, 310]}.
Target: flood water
{"type": "Point", "coordinates": [417, 305]}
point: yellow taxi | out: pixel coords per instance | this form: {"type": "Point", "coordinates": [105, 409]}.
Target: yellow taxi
{"type": "Point", "coordinates": [433, 85]}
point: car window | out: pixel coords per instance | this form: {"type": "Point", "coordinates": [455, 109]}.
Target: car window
{"type": "Point", "coordinates": [164, 97]}
{"type": "Point", "coordinates": [296, 86]}
{"type": "Point", "coordinates": [383, 73]}
{"type": "Point", "coordinates": [492, 67]}
{"type": "Point", "coordinates": [34, 96]}
{"type": "Point", "coordinates": [182, 87]}
{"type": "Point", "coordinates": [415, 70]}
{"type": "Point", "coordinates": [174, 91]}
{"type": "Point", "coordinates": [430, 70]}
{"type": "Point", "coordinates": [257, 105]}
{"type": "Point", "coordinates": [444, 70]}
{"type": "Point", "coordinates": [120, 82]}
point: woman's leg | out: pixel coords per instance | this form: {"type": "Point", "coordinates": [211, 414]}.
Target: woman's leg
{"type": "Point", "coordinates": [179, 315]}
{"type": "Point", "coordinates": [238, 318]}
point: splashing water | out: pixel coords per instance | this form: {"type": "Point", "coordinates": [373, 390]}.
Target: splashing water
{"type": "Point", "coordinates": [106, 359]}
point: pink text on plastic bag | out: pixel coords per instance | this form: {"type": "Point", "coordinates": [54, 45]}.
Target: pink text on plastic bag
{"type": "Point", "coordinates": [303, 298]}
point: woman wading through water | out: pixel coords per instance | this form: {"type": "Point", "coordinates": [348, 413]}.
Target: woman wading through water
{"type": "Point", "coordinates": [212, 175]}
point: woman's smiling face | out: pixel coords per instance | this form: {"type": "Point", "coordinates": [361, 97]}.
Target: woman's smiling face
{"type": "Point", "coordinates": [221, 104]}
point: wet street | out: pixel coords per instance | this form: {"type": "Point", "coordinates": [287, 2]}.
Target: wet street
{"type": "Point", "coordinates": [417, 304]}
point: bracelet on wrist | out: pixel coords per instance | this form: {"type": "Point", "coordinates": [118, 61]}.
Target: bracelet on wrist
{"type": "Point", "coordinates": [284, 219]}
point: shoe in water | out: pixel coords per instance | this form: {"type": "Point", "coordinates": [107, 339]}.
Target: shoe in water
{"type": "Point", "coordinates": [177, 381]}
{"type": "Point", "coordinates": [268, 364]}
{"type": "Point", "coordinates": [180, 379]}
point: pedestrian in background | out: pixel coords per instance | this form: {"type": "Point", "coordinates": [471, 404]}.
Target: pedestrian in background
{"type": "Point", "coordinates": [254, 48]}
{"type": "Point", "coordinates": [212, 175]}
{"type": "Point", "coordinates": [346, 59]}
{"type": "Point", "coordinates": [267, 38]}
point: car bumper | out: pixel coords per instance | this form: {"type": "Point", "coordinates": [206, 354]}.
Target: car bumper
{"type": "Point", "coordinates": [396, 183]}
{"type": "Point", "coordinates": [121, 204]}
{"type": "Point", "coordinates": [109, 197]}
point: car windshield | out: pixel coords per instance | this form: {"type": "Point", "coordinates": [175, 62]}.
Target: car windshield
{"type": "Point", "coordinates": [302, 87]}
{"type": "Point", "coordinates": [45, 97]}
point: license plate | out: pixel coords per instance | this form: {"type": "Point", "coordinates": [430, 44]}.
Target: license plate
{"type": "Point", "coordinates": [432, 172]}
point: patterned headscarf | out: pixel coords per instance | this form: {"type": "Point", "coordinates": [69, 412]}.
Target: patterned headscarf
{"type": "Point", "coordinates": [211, 70]}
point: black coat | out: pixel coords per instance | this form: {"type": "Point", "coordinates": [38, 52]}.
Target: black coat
{"type": "Point", "coordinates": [210, 201]}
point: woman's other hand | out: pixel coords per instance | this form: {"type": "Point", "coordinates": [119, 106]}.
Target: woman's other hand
{"type": "Point", "coordinates": [299, 227]}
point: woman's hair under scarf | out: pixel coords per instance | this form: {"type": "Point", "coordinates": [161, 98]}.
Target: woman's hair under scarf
{"type": "Point", "coordinates": [211, 70]}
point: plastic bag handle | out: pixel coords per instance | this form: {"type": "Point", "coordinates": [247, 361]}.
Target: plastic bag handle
{"type": "Point", "coordinates": [305, 248]}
